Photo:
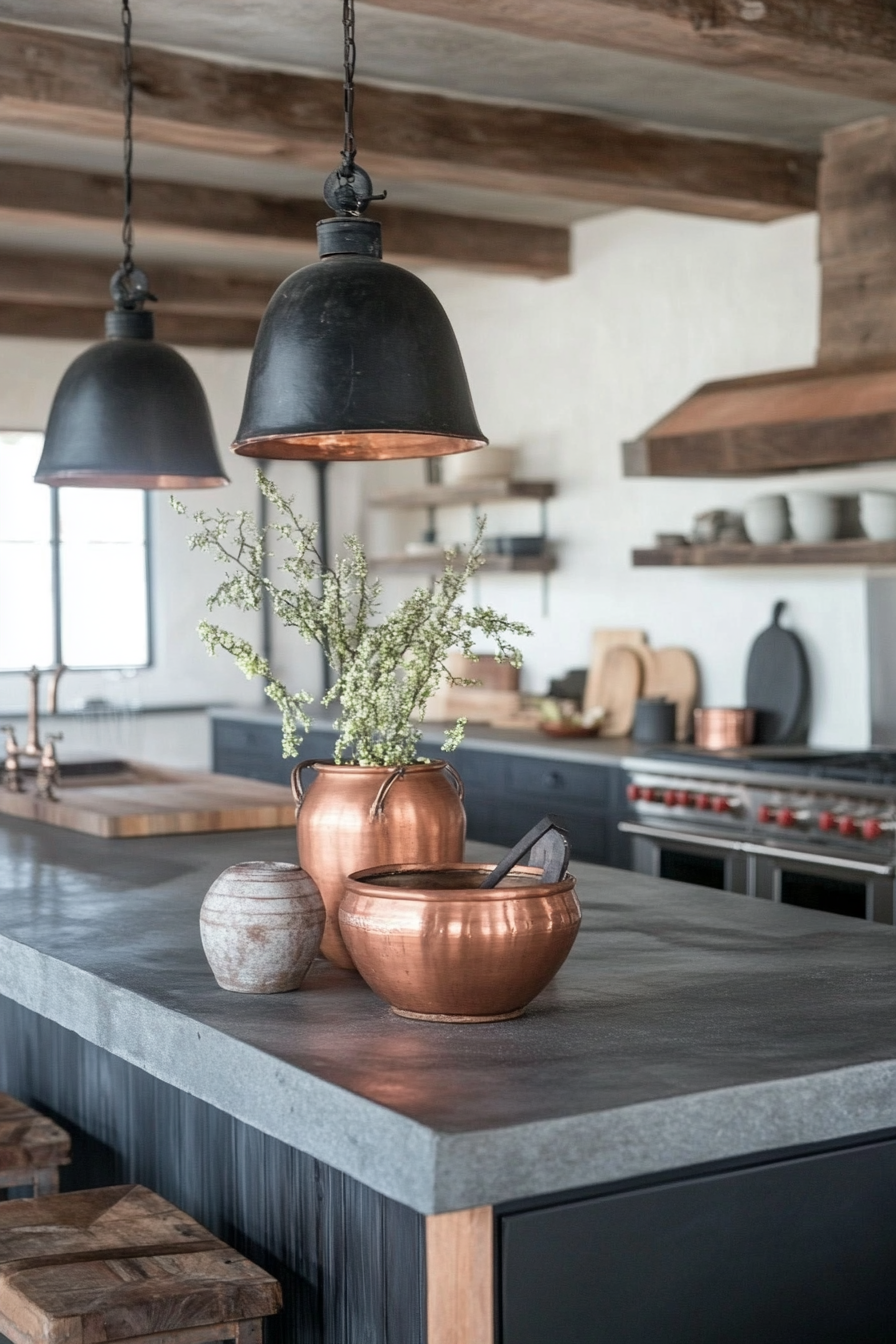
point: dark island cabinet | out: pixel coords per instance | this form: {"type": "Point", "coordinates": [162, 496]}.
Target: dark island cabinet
{"type": "Point", "coordinates": [505, 793]}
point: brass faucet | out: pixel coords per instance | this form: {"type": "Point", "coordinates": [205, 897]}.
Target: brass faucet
{"type": "Point", "coordinates": [48, 770]}
{"type": "Point", "coordinates": [33, 745]}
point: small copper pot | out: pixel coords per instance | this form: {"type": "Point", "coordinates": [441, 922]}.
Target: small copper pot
{"type": "Point", "coordinates": [434, 945]}
{"type": "Point", "coordinates": [355, 816]}
{"type": "Point", "coordinates": [716, 729]}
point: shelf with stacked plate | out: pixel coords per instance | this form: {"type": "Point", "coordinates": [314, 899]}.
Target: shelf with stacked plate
{"type": "Point", "coordinates": [848, 551]}
{"type": "Point", "coordinates": [533, 554]}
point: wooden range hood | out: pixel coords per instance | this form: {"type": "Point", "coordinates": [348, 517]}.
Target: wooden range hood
{"type": "Point", "coordinates": [842, 411]}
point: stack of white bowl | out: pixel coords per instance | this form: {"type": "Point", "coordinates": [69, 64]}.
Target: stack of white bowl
{"type": "Point", "coordinates": [877, 513]}
{"type": "Point", "coordinates": [808, 515]}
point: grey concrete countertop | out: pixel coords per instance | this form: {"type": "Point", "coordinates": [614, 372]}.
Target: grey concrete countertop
{"type": "Point", "coordinates": [687, 1026]}
{"type": "Point", "coordinates": [512, 741]}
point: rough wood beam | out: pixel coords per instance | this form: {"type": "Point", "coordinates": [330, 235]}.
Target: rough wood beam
{"type": "Point", "coordinates": [72, 84]}
{"type": "Point", "coordinates": [839, 46]}
{"type": "Point", "coordinates": [34, 195]}
{"type": "Point", "coordinates": [86, 324]}
{"type": "Point", "coordinates": [83, 282]}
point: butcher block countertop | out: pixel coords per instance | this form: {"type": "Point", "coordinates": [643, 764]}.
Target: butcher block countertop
{"type": "Point", "coordinates": [687, 1026]}
{"type": "Point", "coordinates": [143, 800]}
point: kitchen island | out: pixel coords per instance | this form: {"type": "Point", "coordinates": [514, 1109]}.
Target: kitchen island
{"type": "Point", "coordinates": [690, 1136]}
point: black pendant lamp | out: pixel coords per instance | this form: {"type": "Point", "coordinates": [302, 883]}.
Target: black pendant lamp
{"type": "Point", "coordinates": [130, 412]}
{"type": "Point", "coordinates": [355, 358]}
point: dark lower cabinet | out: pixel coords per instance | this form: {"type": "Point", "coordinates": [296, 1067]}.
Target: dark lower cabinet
{"type": "Point", "coordinates": [505, 793]}
{"type": "Point", "coordinates": [796, 1251]}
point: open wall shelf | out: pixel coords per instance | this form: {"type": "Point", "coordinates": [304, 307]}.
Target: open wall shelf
{"type": "Point", "coordinates": [493, 564]}
{"type": "Point", "coordinates": [852, 551]}
{"type": "Point", "coordinates": [471, 492]}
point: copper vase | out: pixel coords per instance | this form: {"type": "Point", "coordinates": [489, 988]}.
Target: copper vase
{"type": "Point", "coordinates": [360, 816]}
{"type": "Point", "coordinates": [431, 942]}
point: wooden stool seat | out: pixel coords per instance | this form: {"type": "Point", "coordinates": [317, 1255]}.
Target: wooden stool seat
{"type": "Point", "coordinates": [32, 1148]}
{"type": "Point", "coordinates": [121, 1263]}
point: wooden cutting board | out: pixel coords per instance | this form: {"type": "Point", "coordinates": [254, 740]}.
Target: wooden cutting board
{"type": "Point", "coordinates": [622, 673]}
{"type": "Point", "coordinates": [673, 673]}
{"type": "Point", "coordinates": [146, 800]}
{"type": "Point", "coordinates": [601, 642]}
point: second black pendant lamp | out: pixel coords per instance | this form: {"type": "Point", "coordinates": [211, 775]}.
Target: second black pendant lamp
{"type": "Point", "coordinates": [355, 358]}
{"type": "Point", "coordinates": [130, 412]}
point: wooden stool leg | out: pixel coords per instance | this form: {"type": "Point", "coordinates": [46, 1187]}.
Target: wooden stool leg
{"type": "Point", "coordinates": [46, 1181]}
{"type": "Point", "coordinates": [249, 1332]}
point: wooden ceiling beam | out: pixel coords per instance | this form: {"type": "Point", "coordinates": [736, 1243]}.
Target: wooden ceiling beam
{"type": "Point", "coordinates": [86, 324]}
{"type": "Point", "coordinates": [49, 280]}
{"type": "Point", "coordinates": [32, 195]}
{"type": "Point", "coordinates": [845, 47]}
{"type": "Point", "coordinates": [58, 81]}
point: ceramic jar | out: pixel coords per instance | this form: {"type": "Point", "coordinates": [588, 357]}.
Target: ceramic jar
{"type": "Point", "coordinates": [358, 816]}
{"type": "Point", "coordinates": [877, 513]}
{"type": "Point", "coordinates": [766, 520]}
{"type": "Point", "coordinates": [261, 926]}
{"type": "Point", "coordinates": [814, 517]}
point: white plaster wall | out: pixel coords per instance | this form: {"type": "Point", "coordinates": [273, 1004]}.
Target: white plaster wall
{"type": "Point", "coordinates": [568, 369]}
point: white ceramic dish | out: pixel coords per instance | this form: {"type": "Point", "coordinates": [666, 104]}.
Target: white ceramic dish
{"type": "Point", "coordinates": [766, 520]}
{"type": "Point", "coordinates": [814, 517]}
{"type": "Point", "coordinates": [877, 513]}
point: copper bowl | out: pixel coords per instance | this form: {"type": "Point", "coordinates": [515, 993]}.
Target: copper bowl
{"type": "Point", "coordinates": [434, 945]}
{"type": "Point", "coordinates": [717, 729]}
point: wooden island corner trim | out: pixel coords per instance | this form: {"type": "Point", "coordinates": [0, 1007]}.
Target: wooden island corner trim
{"type": "Point", "coordinates": [460, 1277]}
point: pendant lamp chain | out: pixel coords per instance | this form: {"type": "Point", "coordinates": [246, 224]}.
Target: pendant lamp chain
{"type": "Point", "coordinates": [127, 70]}
{"type": "Point", "coordinates": [129, 286]}
{"type": "Point", "coordinates": [348, 62]}
{"type": "Point", "coordinates": [349, 190]}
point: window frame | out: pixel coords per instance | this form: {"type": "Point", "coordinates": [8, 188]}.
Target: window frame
{"type": "Point", "coordinates": [56, 591]}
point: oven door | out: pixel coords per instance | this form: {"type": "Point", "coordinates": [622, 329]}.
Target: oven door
{"type": "Point", "coordinates": [821, 882]}
{"type": "Point", "coordinates": [683, 856]}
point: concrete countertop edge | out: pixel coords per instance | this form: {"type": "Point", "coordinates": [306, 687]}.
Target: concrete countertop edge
{"type": "Point", "coordinates": [429, 1171]}
{"type": "Point", "coordinates": [391, 1153]}
{"type": "Point", "coordinates": [669, 1134]}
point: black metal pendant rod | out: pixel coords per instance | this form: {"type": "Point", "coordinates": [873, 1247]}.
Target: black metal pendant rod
{"type": "Point", "coordinates": [127, 69]}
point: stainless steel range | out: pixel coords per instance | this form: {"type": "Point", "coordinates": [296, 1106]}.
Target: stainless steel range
{"type": "Point", "coordinates": [807, 828]}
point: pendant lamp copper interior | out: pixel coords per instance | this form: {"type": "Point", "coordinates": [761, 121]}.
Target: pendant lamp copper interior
{"type": "Point", "coordinates": [355, 359]}
{"type": "Point", "coordinates": [130, 412]}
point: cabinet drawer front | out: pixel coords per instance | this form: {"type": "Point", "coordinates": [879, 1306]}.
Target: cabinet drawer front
{"type": "Point", "coordinates": [560, 780]}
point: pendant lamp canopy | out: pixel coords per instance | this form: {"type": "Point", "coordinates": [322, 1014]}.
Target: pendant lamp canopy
{"type": "Point", "coordinates": [130, 412]}
{"type": "Point", "coordinates": [355, 358]}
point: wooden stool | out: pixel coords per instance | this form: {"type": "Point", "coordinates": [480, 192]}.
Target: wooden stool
{"type": "Point", "coordinates": [32, 1148]}
{"type": "Point", "coordinates": [122, 1264]}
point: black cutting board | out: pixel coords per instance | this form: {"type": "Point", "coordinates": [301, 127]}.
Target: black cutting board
{"type": "Point", "coordinates": [778, 684]}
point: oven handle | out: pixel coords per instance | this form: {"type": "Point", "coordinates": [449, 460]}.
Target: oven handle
{"type": "Point", "coordinates": [760, 851]}
{"type": "Point", "coordinates": [687, 837]}
{"type": "Point", "coordinates": [822, 860]}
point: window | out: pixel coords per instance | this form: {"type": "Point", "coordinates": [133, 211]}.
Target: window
{"type": "Point", "coordinates": [73, 569]}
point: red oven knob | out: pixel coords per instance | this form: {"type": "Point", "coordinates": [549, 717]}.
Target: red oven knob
{"type": "Point", "coordinates": [872, 829]}
{"type": "Point", "coordinates": [764, 814]}
{"type": "Point", "coordinates": [703, 802]}
{"type": "Point", "coordinates": [670, 797]}
{"type": "Point", "coordinates": [684, 799]}
{"type": "Point", "coordinates": [846, 826]}
{"type": "Point", "coordinates": [827, 821]}
{"type": "Point", "coordinates": [785, 817]}
{"type": "Point", "coordinates": [720, 804]}
{"type": "Point", "coordinates": [632, 792]}
{"type": "Point", "coordinates": [648, 795]}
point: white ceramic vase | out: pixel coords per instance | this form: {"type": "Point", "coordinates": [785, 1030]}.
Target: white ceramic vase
{"type": "Point", "coordinates": [877, 513]}
{"type": "Point", "coordinates": [261, 926]}
{"type": "Point", "coordinates": [766, 520]}
{"type": "Point", "coordinates": [814, 517]}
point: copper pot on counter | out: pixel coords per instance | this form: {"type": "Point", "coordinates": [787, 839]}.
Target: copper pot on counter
{"type": "Point", "coordinates": [357, 816]}
{"type": "Point", "coordinates": [718, 729]}
{"type": "Point", "coordinates": [431, 942]}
